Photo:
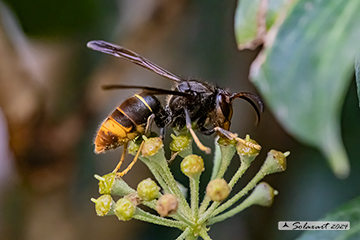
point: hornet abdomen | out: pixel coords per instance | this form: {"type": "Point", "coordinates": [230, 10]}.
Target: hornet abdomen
{"type": "Point", "coordinates": [128, 121]}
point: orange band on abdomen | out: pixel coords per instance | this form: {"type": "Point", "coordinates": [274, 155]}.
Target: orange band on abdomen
{"type": "Point", "coordinates": [116, 128]}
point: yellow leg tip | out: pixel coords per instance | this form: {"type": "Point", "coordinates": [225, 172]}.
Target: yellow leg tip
{"type": "Point", "coordinates": [207, 150]}
{"type": "Point", "coordinates": [248, 144]}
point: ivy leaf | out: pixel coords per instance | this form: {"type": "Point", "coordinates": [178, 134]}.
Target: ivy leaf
{"type": "Point", "coordinates": [357, 75]}
{"type": "Point", "coordinates": [349, 212]}
{"type": "Point", "coordinates": [304, 72]}
{"type": "Point", "coordinates": [253, 18]}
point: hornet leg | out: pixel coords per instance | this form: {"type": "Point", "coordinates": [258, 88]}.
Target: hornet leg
{"type": "Point", "coordinates": [196, 139]}
{"type": "Point", "coordinates": [231, 135]}
{"type": "Point", "coordinates": [121, 159]}
{"type": "Point", "coordinates": [150, 120]}
{"type": "Point", "coordinates": [133, 161]}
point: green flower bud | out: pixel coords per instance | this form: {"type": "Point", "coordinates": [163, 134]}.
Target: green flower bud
{"type": "Point", "coordinates": [226, 141]}
{"type": "Point", "coordinates": [104, 205]}
{"type": "Point", "coordinates": [151, 146]}
{"type": "Point", "coordinates": [125, 209]}
{"type": "Point", "coordinates": [263, 195]}
{"type": "Point", "coordinates": [247, 153]}
{"type": "Point", "coordinates": [180, 142]}
{"type": "Point", "coordinates": [148, 190]}
{"type": "Point", "coordinates": [218, 189]}
{"type": "Point", "coordinates": [133, 147]}
{"type": "Point", "coordinates": [105, 182]}
{"type": "Point", "coordinates": [192, 165]}
{"type": "Point", "coordinates": [166, 205]}
{"type": "Point", "coordinates": [275, 162]}
{"type": "Point", "coordinates": [112, 184]}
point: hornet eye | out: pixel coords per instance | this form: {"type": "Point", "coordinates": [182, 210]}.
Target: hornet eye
{"type": "Point", "coordinates": [225, 106]}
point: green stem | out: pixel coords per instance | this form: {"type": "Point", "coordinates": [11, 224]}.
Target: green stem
{"type": "Point", "coordinates": [204, 204]}
{"type": "Point", "coordinates": [150, 204]}
{"type": "Point", "coordinates": [232, 212]}
{"type": "Point", "coordinates": [194, 196]}
{"type": "Point", "coordinates": [168, 183]}
{"type": "Point", "coordinates": [222, 159]}
{"type": "Point", "coordinates": [169, 179]}
{"type": "Point", "coordinates": [212, 212]}
{"type": "Point", "coordinates": [148, 217]}
{"type": "Point", "coordinates": [243, 167]}
{"type": "Point", "coordinates": [180, 217]}
{"type": "Point", "coordinates": [153, 168]}
{"type": "Point", "coordinates": [233, 181]}
{"type": "Point", "coordinates": [260, 175]}
{"type": "Point", "coordinates": [227, 153]}
{"type": "Point", "coordinates": [205, 216]}
{"type": "Point", "coordinates": [159, 167]}
{"type": "Point", "coordinates": [184, 234]}
{"type": "Point", "coordinates": [217, 160]}
{"type": "Point", "coordinates": [203, 233]}
{"type": "Point", "coordinates": [191, 237]}
{"type": "Point", "coordinates": [166, 180]}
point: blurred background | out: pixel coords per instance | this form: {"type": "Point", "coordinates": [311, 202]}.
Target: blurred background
{"type": "Point", "coordinates": [51, 105]}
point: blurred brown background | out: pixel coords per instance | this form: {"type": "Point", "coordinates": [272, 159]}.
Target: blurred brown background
{"type": "Point", "coordinates": [51, 104]}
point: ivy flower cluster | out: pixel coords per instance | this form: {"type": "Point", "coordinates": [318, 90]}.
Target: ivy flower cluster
{"type": "Point", "coordinates": [164, 194]}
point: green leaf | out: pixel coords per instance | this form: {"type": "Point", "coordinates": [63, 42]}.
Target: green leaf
{"type": "Point", "coordinates": [348, 212]}
{"type": "Point", "coordinates": [247, 32]}
{"type": "Point", "coordinates": [304, 73]}
{"type": "Point", "coordinates": [357, 75]}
